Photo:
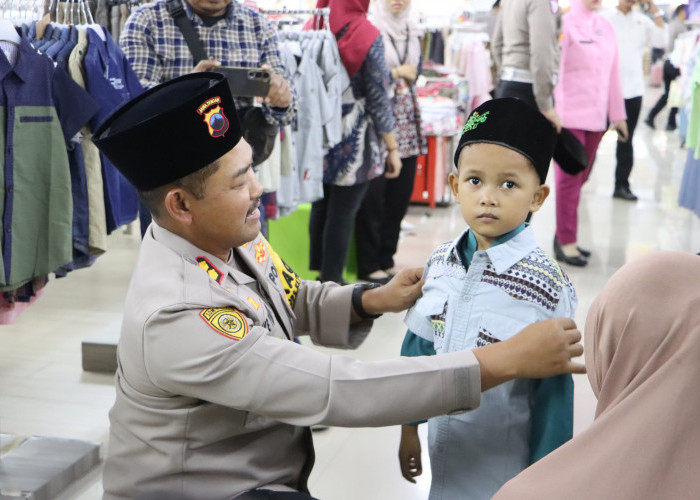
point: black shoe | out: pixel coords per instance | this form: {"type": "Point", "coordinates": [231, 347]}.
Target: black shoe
{"type": "Point", "coordinates": [670, 127]}
{"type": "Point", "coordinates": [584, 251]}
{"type": "Point", "coordinates": [624, 193]}
{"type": "Point", "coordinates": [650, 122]}
{"type": "Point", "coordinates": [559, 254]}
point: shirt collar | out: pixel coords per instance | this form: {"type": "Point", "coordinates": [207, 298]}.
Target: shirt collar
{"type": "Point", "coordinates": [25, 60]}
{"type": "Point", "coordinates": [191, 253]}
{"type": "Point", "coordinates": [506, 251]}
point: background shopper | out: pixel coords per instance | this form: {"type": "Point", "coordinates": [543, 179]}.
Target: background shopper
{"type": "Point", "coordinates": [526, 50]}
{"type": "Point", "coordinates": [636, 31]}
{"type": "Point", "coordinates": [588, 94]}
{"type": "Point", "coordinates": [378, 223]}
{"type": "Point", "coordinates": [670, 72]}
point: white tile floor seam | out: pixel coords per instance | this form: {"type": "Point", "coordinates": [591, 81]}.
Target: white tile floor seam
{"type": "Point", "coordinates": [44, 391]}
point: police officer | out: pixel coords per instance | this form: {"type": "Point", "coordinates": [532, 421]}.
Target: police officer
{"type": "Point", "coordinates": [213, 397]}
{"type": "Point", "coordinates": [526, 50]}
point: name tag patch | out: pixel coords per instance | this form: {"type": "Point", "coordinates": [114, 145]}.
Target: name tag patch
{"type": "Point", "coordinates": [228, 321]}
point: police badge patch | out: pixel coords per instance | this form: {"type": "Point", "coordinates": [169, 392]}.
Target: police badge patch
{"type": "Point", "coordinates": [228, 321]}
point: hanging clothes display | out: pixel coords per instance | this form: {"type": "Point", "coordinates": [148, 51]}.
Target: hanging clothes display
{"type": "Point", "coordinates": [44, 109]}
{"type": "Point", "coordinates": [686, 54]}
{"type": "Point", "coordinates": [52, 173]}
{"type": "Point", "coordinates": [313, 60]}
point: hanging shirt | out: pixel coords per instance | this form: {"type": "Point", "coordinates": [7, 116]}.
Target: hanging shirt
{"type": "Point", "coordinates": [112, 83]}
{"type": "Point", "coordinates": [43, 110]}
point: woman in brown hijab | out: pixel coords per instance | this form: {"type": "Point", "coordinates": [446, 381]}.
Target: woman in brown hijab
{"type": "Point", "coordinates": [642, 347]}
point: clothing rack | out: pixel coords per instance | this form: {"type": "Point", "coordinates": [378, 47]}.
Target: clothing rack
{"type": "Point", "coordinates": [323, 11]}
{"type": "Point", "coordinates": [21, 10]}
{"type": "Point", "coordinates": [71, 12]}
{"type": "Point", "coordinates": [320, 16]}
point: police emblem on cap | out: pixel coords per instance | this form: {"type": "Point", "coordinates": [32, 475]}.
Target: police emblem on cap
{"type": "Point", "coordinates": [216, 120]}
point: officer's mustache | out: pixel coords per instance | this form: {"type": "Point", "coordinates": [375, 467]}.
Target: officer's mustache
{"type": "Point", "coordinates": [253, 206]}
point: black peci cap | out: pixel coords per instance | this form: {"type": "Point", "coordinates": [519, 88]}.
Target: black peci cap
{"type": "Point", "coordinates": [171, 130]}
{"type": "Point", "coordinates": [513, 124]}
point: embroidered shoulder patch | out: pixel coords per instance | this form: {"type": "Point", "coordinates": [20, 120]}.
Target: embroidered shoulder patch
{"type": "Point", "coordinates": [260, 252]}
{"type": "Point", "coordinates": [228, 321]}
{"type": "Point", "coordinates": [210, 268]}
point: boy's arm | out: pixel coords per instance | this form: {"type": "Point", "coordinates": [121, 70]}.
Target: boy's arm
{"type": "Point", "coordinates": [410, 453]}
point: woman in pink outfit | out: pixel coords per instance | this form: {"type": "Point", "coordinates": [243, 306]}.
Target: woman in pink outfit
{"type": "Point", "coordinates": [588, 94]}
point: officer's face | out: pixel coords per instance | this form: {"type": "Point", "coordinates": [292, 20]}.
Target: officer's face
{"type": "Point", "coordinates": [228, 216]}
{"type": "Point", "coordinates": [209, 7]}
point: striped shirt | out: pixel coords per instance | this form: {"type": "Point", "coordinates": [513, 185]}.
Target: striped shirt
{"type": "Point", "coordinates": [157, 51]}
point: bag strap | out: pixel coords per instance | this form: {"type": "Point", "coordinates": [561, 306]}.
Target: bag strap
{"type": "Point", "coordinates": [179, 15]}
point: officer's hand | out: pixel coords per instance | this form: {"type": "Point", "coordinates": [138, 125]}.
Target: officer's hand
{"type": "Point", "coordinates": [399, 294]}
{"type": "Point", "coordinates": [543, 349]}
{"type": "Point", "coordinates": [553, 116]}
{"type": "Point", "coordinates": [393, 164]}
{"type": "Point", "coordinates": [205, 65]}
{"type": "Point", "coordinates": [279, 95]}
{"type": "Point", "coordinates": [409, 453]}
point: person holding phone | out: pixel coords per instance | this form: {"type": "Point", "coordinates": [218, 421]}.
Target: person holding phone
{"type": "Point", "coordinates": [636, 31]}
{"type": "Point", "coordinates": [232, 35]}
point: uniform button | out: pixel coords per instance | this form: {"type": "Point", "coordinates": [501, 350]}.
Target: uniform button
{"type": "Point", "coordinates": [466, 298]}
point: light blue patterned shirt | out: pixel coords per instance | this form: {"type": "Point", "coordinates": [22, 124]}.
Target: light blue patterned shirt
{"type": "Point", "coordinates": [504, 289]}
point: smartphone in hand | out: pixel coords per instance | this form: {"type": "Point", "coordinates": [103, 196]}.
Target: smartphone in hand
{"type": "Point", "coordinates": [245, 82]}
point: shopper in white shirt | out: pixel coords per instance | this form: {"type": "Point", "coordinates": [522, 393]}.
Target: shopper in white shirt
{"type": "Point", "coordinates": [636, 31]}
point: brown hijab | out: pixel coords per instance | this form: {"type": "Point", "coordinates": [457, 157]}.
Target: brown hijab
{"type": "Point", "coordinates": [642, 346]}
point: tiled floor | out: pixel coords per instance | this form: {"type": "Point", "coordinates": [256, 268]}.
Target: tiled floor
{"type": "Point", "coordinates": [43, 390]}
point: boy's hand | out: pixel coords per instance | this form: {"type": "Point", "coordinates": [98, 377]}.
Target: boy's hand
{"type": "Point", "coordinates": [399, 294]}
{"type": "Point", "coordinates": [409, 453]}
{"type": "Point", "coordinates": [543, 349]}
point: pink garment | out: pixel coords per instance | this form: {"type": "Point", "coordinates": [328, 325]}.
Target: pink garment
{"type": "Point", "coordinates": [589, 88]}
{"type": "Point", "coordinates": [478, 74]}
{"type": "Point", "coordinates": [568, 188]}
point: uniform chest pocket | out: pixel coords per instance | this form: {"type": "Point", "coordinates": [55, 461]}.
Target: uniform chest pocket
{"type": "Point", "coordinates": [495, 327]}
{"type": "Point", "coordinates": [434, 309]}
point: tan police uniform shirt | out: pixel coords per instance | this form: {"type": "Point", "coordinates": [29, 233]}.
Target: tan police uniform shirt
{"type": "Point", "coordinates": [213, 396]}
{"type": "Point", "coordinates": [525, 38]}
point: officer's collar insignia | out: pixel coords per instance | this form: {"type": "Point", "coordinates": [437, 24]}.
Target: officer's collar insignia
{"type": "Point", "coordinates": [474, 120]}
{"type": "Point", "coordinates": [213, 116]}
{"type": "Point", "coordinates": [228, 321]}
{"type": "Point", "coordinates": [260, 252]}
{"type": "Point", "coordinates": [254, 303]}
{"type": "Point", "coordinates": [210, 268]}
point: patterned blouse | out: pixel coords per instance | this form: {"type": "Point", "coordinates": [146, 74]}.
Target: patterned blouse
{"type": "Point", "coordinates": [360, 155]}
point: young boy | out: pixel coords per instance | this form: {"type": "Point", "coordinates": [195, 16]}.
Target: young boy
{"type": "Point", "coordinates": [482, 288]}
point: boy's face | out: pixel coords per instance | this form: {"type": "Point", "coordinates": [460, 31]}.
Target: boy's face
{"type": "Point", "coordinates": [496, 188]}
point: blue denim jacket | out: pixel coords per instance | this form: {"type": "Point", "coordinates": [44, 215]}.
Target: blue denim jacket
{"type": "Point", "coordinates": [489, 298]}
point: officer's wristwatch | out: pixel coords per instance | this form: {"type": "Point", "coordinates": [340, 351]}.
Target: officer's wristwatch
{"type": "Point", "coordinates": [357, 300]}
